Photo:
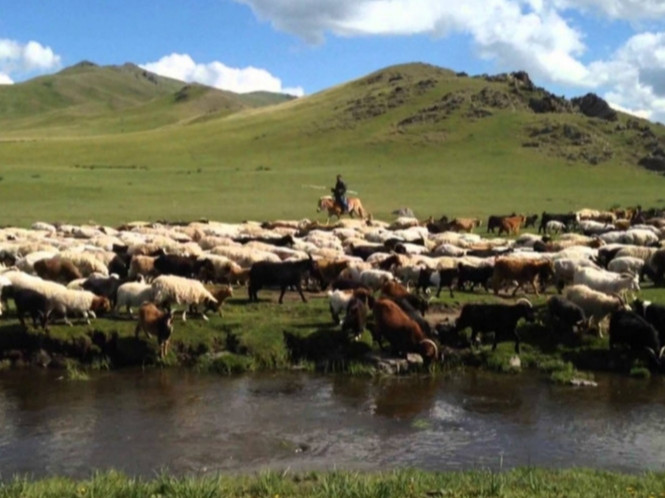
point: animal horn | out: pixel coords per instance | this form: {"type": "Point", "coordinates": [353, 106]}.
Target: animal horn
{"type": "Point", "coordinates": [652, 353]}
{"type": "Point", "coordinates": [436, 349]}
{"type": "Point", "coordinates": [525, 301]}
{"type": "Point", "coordinates": [662, 351]}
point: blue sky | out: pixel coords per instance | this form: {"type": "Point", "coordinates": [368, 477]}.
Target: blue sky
{"type": "Point", "coordinates": [615, 48]}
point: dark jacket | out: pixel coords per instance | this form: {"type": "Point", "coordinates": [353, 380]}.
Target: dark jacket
{"type": "Point", "coordinates": [340, 189]}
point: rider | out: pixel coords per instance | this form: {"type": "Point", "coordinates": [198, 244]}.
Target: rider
{"type": "Point", "coordinates": [339, 191]}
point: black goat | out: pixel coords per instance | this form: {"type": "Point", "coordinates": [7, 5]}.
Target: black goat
{"type": "Point", "coordinates": [564, 315]}
{"type": "Point", "coordinates": [654, 314]}
{"type": "Point", "coordinates": [498, 318]}
{"type": "Point", "coordinates": [283, 274]}
{"type": "Point", "coordinates": [104, 286]}
{"type": "Point", "coordinates": [33, 303]}
{"type": "Point", "coordinates": [182, 266]}
{"type": "Point", "coordinates": [630, 329]}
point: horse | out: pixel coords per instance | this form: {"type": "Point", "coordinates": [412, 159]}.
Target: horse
{"type": "Point", "coordinates": [328, 203]}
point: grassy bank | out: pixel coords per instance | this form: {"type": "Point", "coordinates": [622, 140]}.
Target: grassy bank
{"type": "Point", "coordinates": [525, 482]}
{"type": "Point", "coordinates": [269, 336]}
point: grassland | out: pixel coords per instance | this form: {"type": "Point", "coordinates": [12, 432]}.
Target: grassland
{"type": "Point", "coordinates": [251, 337]}
{"type": "Point", "coordinates": [524, 482]}
{"type": "Point", "coordinates": [162, 159]}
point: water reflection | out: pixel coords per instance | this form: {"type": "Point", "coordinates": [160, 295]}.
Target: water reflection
{"type": "Point", "coordinates": [140, 422]}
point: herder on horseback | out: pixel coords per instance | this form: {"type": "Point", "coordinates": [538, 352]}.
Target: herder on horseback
{"type": "Point", "coordinates": [339, 191]}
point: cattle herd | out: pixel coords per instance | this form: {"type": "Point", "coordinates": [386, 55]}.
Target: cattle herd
{"type": "Point", "coordinates": [378, 275]}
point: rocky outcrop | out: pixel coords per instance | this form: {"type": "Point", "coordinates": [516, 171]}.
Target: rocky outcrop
{"type": "Point", "coordinates": [595, 107]}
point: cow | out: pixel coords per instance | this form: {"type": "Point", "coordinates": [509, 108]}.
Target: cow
{"type": "Point", "coordinates": [511, 225]}
{"type": "Point", "coordinates": [402, 333]}
{"type": "Point", "coordinates": [474, 275]}
{"type": "Point", "coordinates": [494, 221]}
{"type": "Point", "coordinates": [498, 318]}
{"type": "Point", "coordinates": [569, 219]}
{"type": "Point", "coordinates": [283, 275]}
{"type": "Point", "coordinates": [522, 271]}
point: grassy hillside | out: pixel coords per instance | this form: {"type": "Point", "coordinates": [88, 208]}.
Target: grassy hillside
{"type": "Point", "coordinates": [412, 135]}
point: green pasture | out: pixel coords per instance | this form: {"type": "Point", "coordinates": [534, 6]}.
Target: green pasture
{"type": "Point", "coordinates": [521, 482]}
{"type": "Point", "coordinates": [87, 155]}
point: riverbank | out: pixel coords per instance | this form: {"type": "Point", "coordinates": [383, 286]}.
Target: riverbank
{"type": "Point", "coordinates": [265, 336]}
{"type": "Point", "coordinates": [523, 482]}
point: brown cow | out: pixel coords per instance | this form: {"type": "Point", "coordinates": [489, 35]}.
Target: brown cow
{"type": "Point", "coordinates": [403, 334]}
{"type": "Point", "coordinates": [522, 271]}
{"type": "Point", "coordinates": [154, 321]}
{"type": "Point", "coordinates": [464, 224]}
{"type": "Point", "coordinates": [512, 224]}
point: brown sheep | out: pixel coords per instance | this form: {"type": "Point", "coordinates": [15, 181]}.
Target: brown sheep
{"type": "Point", "coordinates": [57, 269]}
{"type": "Point", "coordinates": [154, 321]}
{"type": "Point", "coordinates": [329, 270]}
{"type": "Point", "coordinates": [522, 271]}
{"type": "Point", "coordinates": [403, 334]}
{"type": "Point", "coordinates": [143, 266]}
{"type": "Point", "coordinates": [221, 293]}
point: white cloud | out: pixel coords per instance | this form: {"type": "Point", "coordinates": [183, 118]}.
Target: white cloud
{"type": "Point", "coordinates": [533, 35]}
{"type": "Point", "coordinates": [523, 34]}
{"type": "Point", "coordinates": [30, 57]}
{"type": "Point", "coordinates": [5, 79]}
{"type": "Point", "coordinates": [629, 10]}
{"type": "Point", "coordinates": [218, 75]}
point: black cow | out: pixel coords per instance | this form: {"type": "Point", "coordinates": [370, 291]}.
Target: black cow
{"type": "Point", "coordinates": [446, 277]}
{"type": "Point", "coordinates": [498, 318]}
{"type": "Point", "coordinates": [474, 275]}
{"type": "Point", "coordinates": [283, 274]}
{"type": "Point", "coordinates": [568, 219]}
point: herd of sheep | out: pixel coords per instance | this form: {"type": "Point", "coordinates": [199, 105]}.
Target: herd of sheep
{"type": "Point", "coordinates": [595, 262]}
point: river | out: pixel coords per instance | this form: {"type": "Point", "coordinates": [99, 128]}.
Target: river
{"type": "Point", "coordinates": [190, 424]}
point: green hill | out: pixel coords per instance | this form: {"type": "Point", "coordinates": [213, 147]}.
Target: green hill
{"type": "Point", "coordinates": [410, 135]}
{"type": "Point", "coordinates": [89, 99]}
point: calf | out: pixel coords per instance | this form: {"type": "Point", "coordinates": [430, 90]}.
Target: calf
{"type": "Point", "coordinates": [154, 321]}
{"type": "Point", "coordinates": [403, 334]}
{"type": "Point", "coordinates": [498, 318]}
{"type": "Point", "coordinates": [474, 275]}
{"type": "Point", "coordinates": [569, 220]}
{"type": "Point", "coordinates": [283, 275]}
{"type": "Point", "coordinates": [511, 225]}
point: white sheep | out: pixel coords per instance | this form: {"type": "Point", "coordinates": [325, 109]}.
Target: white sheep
{"type": "Point", "coordinates": [564, 269]}
{"type": "Point", "coordinates": [171, 289]}
{"type": "Point", "coordinates": [78, 301]}
{"type": "Point", "coordinates": [133, 294]}
{"type": "Point", "coordinates": [643, 253]}
{"type": "Point", "coordinates": [626, 264]}
{"type": "Point", "coordinates": [554, 226]}
{"type": "Point", "coordinates": [596, 305]}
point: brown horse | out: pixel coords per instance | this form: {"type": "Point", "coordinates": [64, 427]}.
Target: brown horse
{"type": "Point", "coordinates": [328, 203]}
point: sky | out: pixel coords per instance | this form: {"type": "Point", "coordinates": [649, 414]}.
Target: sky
{"type": "Point", "coordinates": [614, 48]}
